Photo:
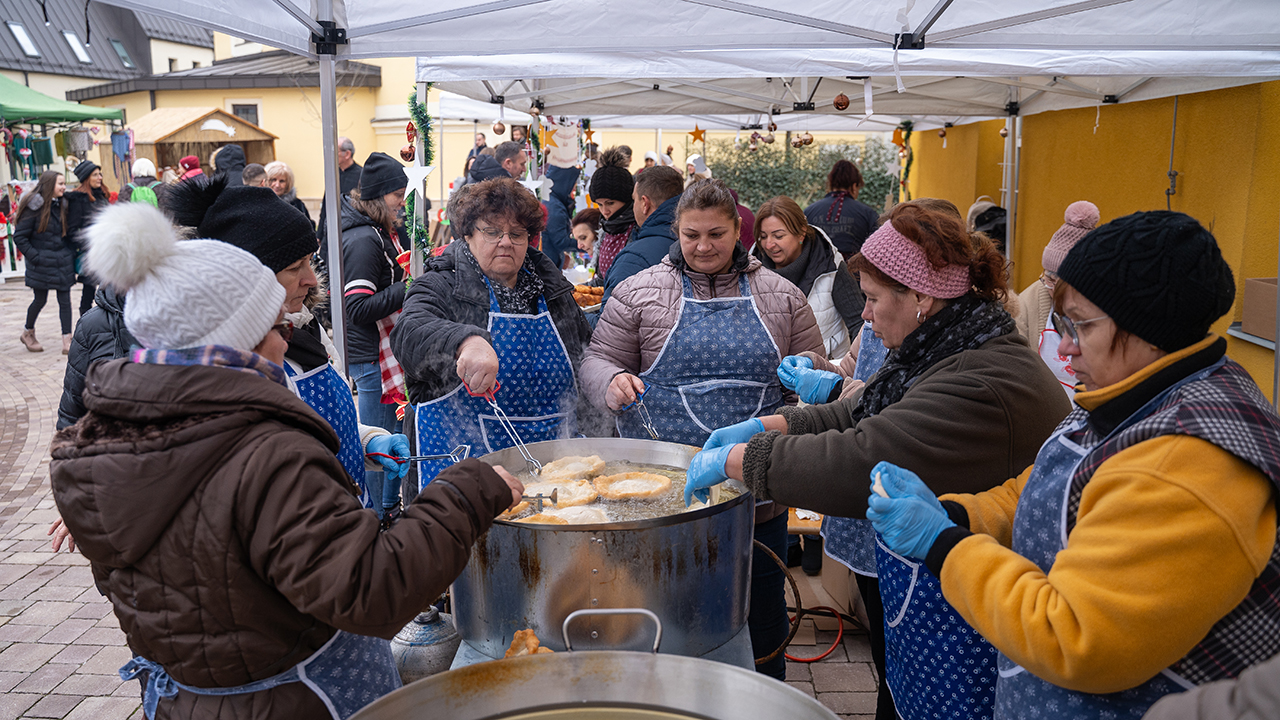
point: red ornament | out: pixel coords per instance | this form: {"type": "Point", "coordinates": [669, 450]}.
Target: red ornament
{"type": "Point", "coordinates": [410, 132]}
{"type": "Point", "coordinates": [408, 152]}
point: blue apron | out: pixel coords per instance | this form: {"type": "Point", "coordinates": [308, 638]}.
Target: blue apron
{"type": "Point", "coordinates": [346, 673]}
{"type": "Point", "coordinates": [719, 366]}
{"type": "Point", "coordinates": [325, 392]}
{"type": "Point", "coordinates": [1039, 534]}
{"type": "Point", "coordinates": [851, 541]}
{"type": "Point", "coordinates": [538, 393]}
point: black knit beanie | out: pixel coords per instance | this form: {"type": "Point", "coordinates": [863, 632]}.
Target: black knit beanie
{"type": "Point", "coordinates": [251, 218]}
{"type": "Point", "coordinates": [85, 169]}
{"type": "Point", "coordinates": [382, 174]}
{"type": "Point", "coordinates": [612, 183]}
{"type": "Point", "coordinates": [1158, 275]}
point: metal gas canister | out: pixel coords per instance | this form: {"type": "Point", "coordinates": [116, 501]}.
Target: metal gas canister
{"type": "Point", "coordinates": [425, 646]}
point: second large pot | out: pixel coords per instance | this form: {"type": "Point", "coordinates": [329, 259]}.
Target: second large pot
{"type": "Point", "coordinates": [692, 569]}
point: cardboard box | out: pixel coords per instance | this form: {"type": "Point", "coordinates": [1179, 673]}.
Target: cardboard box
{"type": "Point", "coordinates": [1259, 316]}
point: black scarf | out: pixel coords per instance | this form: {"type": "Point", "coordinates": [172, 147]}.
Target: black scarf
{"type": "Point", "coordinates": [621, 220]}
{"type": "Point", "coordinates": [306, 348]}
{"type": "Point", "coordinates": [521, 299]}
{"type": "Point", "coordinates": [796, 269]}
{"type": "Point", "coordinates": [964, 324]}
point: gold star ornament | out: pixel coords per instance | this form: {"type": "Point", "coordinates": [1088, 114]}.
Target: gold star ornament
{"type": "Point", "coordinates": [698, 134]}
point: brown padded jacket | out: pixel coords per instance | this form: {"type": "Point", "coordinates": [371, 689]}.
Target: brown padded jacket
{"type": "Point", "coordinates": [229, 539]}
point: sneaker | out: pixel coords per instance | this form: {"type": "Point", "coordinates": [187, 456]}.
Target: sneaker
{"type": "Point", "coordinates": [811, 559]}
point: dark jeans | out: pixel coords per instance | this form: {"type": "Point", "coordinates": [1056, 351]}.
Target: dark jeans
{"type": "Point", "coordinates": [88, 290]}
{"type": "Point", "coordinates": [768, 621]}
{"type": "Point", "coordinates": [869, 587]}
{"type": "Point", "coordinates": [64, 308]}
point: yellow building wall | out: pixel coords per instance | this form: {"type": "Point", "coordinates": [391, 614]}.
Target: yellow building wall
{"type": "Point", "coordinates": [1227, 154]}
{"type": "Point", "coordinates": [967, 168]}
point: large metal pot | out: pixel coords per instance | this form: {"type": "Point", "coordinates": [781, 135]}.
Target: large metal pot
{"type": "Point", "coordinates": [579, 685]}
{"type": "Point", "coordinates": [692, 569]}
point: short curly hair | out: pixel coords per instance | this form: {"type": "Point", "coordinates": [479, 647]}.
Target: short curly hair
{"type": "Point", "coordinates": [497, 197]}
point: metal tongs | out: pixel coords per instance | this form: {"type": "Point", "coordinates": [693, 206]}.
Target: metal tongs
{"type": "Point", "coordinates": [535, 467]}
{"type": "Point", "coordinates": [460, 453]}
{"type": "Point", "coordinates": [538, 499]}
{"type": "Point", "coordinates": [646, 422]}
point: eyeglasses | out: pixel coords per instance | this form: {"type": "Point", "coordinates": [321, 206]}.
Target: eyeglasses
{"type": "Point", "coordinates": [493, 235]}
{"type": "Point", "coordinates": [1049, 278]}
{"type": "Point", "coordinates": [285, 328]}
{"type": "Point", "coordinates": [1067, 327]}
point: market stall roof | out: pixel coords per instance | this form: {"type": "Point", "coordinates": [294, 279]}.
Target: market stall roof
{"type": "Point", "coordinates": [215, 125]}
{"type": "Point", "coordinates": [20, 104]}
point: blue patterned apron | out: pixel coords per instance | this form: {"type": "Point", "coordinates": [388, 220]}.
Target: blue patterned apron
{"type": "Point", "coordinates": [324, 390]}
{"type": "Point", "coordinates": [346, 673]}
{"type": "Point", "coordinates": [851, 541]}
{"type": "Point", "coordinates": [1039, 534]}
{"type": "Point", "coordinates": [719, 366]}
{"type": "Point", "coordinates": [538, 393]}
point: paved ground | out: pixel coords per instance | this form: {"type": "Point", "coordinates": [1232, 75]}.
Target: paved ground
{"type": "Point", "coordinates": [60, 644]}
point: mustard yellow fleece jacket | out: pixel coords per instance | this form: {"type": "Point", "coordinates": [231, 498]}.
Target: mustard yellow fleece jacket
{"type": "Point", "coordinates": [1170, 536]}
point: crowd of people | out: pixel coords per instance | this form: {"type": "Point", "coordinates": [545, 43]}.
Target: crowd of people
{"type": "Point", "coordinates": [1055, 502]}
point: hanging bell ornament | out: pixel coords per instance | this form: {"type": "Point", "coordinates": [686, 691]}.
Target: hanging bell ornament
{"type": "Point", "coordinates": [410, 132]}
{"type": "Point", "coordinates": [752, 146]}
{"type": "Point", "coordinates": [408, 152]}
{"type": "Point", "coordinates": [767, 138]}
{"type": "Point", "coordinates": [534, 110]}
{"type": "Point", "coordinates": [499, 128]}
{"type": "Point", "coordinates": [841, 102]}
{"type": "Point", "coordinates": [806, 138]}
{"type": "Point", "coordinates": [796, 142]}
{"type": "Point", "coordinates": [773, 126]}
{"type": "Point", "coordinates": [1004, 132]}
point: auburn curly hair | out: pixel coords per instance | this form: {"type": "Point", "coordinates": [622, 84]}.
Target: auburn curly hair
{"type": "Point", "coordinates": [495, 198]}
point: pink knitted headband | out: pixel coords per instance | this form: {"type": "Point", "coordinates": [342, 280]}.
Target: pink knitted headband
{"type": "Point", "coordinates": [895, 255]}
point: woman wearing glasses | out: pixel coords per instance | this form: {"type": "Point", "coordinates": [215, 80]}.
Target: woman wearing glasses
{"type": "Point", "coordinates": [490, 316]}
{"type": "Point", "coordinates": [1137, 557]}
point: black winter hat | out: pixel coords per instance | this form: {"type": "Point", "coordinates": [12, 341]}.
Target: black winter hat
{"type": "Point", "coordinates": [382, 174]}
{"type": "Point", "coordinates": [1158, 275]}
{"type": "Point", "coordinates": [251, 218]}
{"type": "Point", "coordinates": [612, 180]}
{"type": "Point", "coordinates": [85, 169]}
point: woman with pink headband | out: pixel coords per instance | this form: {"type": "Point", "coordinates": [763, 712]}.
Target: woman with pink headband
{"type": "Point", "coordinates": [960, 398]}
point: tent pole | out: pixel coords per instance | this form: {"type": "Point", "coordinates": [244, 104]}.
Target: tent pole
{"type": "Point", "coordinates": [333, 232]}
{"type": "Point", "coordinates": [1011, 219]}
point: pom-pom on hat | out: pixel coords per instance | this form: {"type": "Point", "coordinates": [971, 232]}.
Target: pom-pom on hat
{"type": "Point", "coordinates": [1158, 275]}
{"type": "Point", "coordinates": [1081, 217]}
{"type": "Point", "coordinates": [181, 294]}
{"type": "Point", "coordinates": [612, 180]}
{"type": "Point", "coordinates": [382, 174]}
{"type": "Point", "coordinates": [252, 218]}
{"type": "Point", "coordinates": [85, 169]}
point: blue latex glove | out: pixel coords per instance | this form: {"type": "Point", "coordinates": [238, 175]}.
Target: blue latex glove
{"type": "Point", "coordinates": [734, 434]}
{"type": "Point", "coordinates": [787, 370]}
{"type": "Point", "coordinates": [397, 445]}
{"type": "Point", "coordinates": [902, 483]}
{"type": "Point", "coordinates": [706, 469]}
{"type": "Point", "coordinates": [909, 525]}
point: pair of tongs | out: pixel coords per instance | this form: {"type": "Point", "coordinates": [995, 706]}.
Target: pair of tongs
{"type": "Point", "coordinates": [535, 467]}
{"type": "Point", "coordinates": [646, 422]}
{"type": "Point", "coordinates": [460, 453]}
{"type": "Point", "coordinates": [538, 499]}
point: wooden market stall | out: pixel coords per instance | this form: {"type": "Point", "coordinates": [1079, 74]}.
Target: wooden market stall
{"type": "Point", "coordinates": [166, 135]}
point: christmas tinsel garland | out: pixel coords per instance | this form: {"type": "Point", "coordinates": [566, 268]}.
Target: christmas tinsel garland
{"type": "Point", "coordinates": [422, 121]}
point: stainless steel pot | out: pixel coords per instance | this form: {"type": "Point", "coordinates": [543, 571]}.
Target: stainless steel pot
{"type": "Point", "coordinates": [692, 569]}
{"type": "Point", "coordinates": [613, 684]}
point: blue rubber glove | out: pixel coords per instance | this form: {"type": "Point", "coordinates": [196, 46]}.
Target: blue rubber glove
{"type": "Point", "coordinates": [815, 386]}
{"type": "Point", "coordinates": [734, 434]}
{"type": "Point", "coordinates": [706, 469]}
{"type": "Point", "coordinates": [901, 483]}
{"type": "Point", "coordinates": [397, 445]}
{"type": "Point", "coordinates": [787, 370]}
{"type": "Point", "coordinates": [909, 525]}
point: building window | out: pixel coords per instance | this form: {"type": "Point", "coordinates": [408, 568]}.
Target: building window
{"type": "Point", "coordinates": [124, 54]}
{"type": "Point", "coordinates": [24, 40]}
{"type": "Point", "coordinates": [173, 64]}
{"type": "Point", "coordinates": [195, 64]}
{"type": "Point", "coordinates": [247, 113]}
{"type": "Point", "coordinates": [76, 47]}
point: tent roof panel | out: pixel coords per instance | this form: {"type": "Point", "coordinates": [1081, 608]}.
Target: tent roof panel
{"type": "Point", "coordinates": [21, 104]}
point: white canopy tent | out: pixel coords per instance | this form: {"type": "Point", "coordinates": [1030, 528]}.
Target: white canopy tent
{"type": "Point", "coordinates": [952, 58]}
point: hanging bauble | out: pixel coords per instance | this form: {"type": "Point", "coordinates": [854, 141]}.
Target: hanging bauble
{"type": "Point", "coordinates": [797, 142]}
{"type": "Point", "coordinates": [806, 138]}
{"type": "Point", "coordinates": [752, 146]}
{"type": "Point", "coordinates": [773, 126]}
{"type": "Point", "coordinates": [942, 133]}
{"type": "Point", "coordinates": [534, 110]}
{"type": "Point", "coordinates": [24, 152]}
{"type": "Point", "coordinates": [768, 138]}
{"type": "Point", "coordinates": [1004, 132]}
{"type": "Point", "coordinates": [841, 102]}
{"type": "Point", "coordinates": [410, 132]}
{"type": "Point", "coordinates": [407, 153]}
{"type": "Point", "coordinates": [755, 137]}
{"type": "Point", "coordinates": [499, 128]}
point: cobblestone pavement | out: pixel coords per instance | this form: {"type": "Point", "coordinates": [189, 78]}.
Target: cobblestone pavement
{"type": "Point", "coordinates": [60, 644]}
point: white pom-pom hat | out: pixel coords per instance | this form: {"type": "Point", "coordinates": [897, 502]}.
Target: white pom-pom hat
{"type": "Point", "coordinates": [181, 294]}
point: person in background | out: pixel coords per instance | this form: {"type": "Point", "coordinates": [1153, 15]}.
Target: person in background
{"type": "Point", "coordinates": [349, 172]}
{"type": "Point", "coordinates": [280, 180]}
{"type": "Point", "coordinates": [490, 314]}
{"type": "Point", "coordinates": [507, 160]}
{"type": "Point", "coordinates": [562, 173]}
{"type": "Point", "coordinates": [1036, 300]}
{"type": "Point", "coordinates": [586, 228]}
{"type": "Point", "coordinates": [254, 175]}
{"type": "Point", "coordinates": [168, 175]}
{"type": "Point", "coordinates": [518, 134]}
{"type": "Point", "coordinates": [960, 396]}
{"type": "Point", "coordinates": [373, 290]}
{"type": "Point", "coordinates": [481, 144]}
{"type": "Point", "coordinates": [190, 166]}
{"type": "Point", "coordinates": [701, 335]}
{"type": "Point", "coordinates": [230, 525]}
{"type": "Point", "coordinates": [40, 234]}
{"type": "Point", "coordinates": [839, 213]}
{"type": "Point", "coordinates": [612, 189]}
{"type": "Point", "coordinates": [650, 160]}
{"type": "Point", "coordinates": [747, 238]}
{"type": "Point", "coordinates": [144, 185]}
{"type": "Point", "coordinates": [697, 169]}
{"type": "Point", "coordinates": [1138, 556]}
{"type": "Point", "coordinates": [229, 160]}
{"type": "Point", "coordinates": [88, 199]}
{"type": "Point", "coordinates": [654, 201]}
